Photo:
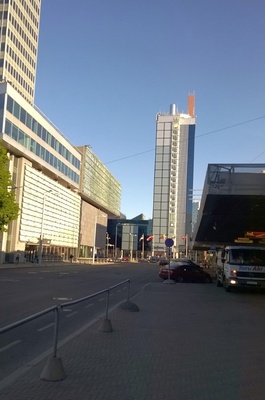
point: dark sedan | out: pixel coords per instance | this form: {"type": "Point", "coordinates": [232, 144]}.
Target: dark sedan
{"type": "Point", "coordinates": [164, 261]}
{"type": "Point", "coordinates": [180, 271]}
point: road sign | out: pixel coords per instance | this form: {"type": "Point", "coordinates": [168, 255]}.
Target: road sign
{"type": "Point", "coordinates": [169, 242]}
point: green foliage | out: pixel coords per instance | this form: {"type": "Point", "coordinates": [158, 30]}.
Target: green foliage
{"type": "Point", "coordinates": [8, 207]}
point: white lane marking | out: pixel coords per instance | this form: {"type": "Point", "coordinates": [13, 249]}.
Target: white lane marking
{"type": "Point", "coordinates": [89, 305]}
{"type": "Point", "coordinates": [102, 299]}
{"type": "Point", "coordinates": [9, 280]}
{"type": "Point", "coordinates": [70, 315]}
{"type": "Point", "coordinates": [67, 310]}
{"type": "Point", "coordinates": [10, 345]}
{"type": "Point", "coordinates": [62, 298]}
{"type": "Point", "coordinates": [45, 327]}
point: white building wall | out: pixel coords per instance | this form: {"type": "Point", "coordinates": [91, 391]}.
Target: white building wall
{"type": "Point", "coordinates": [50, 209]}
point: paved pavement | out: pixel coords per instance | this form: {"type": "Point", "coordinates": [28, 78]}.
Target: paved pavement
{"type": "Point", "coordinates": [187, 342]}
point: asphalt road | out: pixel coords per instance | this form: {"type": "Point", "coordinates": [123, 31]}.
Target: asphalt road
{"type": "Point", "coordinates": [26, 291]}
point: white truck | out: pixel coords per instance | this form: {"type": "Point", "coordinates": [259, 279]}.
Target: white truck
{"type": "Point", "coordinates": [240, 266]}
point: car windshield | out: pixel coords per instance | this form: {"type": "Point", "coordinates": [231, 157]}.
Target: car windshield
{"type": "Point", "coordinates": [172, 266]}
{"type": "Point", "coordinates": [248, 256]}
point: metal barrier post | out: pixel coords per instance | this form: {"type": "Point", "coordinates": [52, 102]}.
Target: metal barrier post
{"type": "Point", "coordinates": [106, 326]}
{"type": "Point", "coordinates": [56, 325]}
{"type": "Point", "coordinates": [53, 369]}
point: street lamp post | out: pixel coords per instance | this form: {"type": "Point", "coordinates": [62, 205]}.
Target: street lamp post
{"type": "Point", "coordinates": [142, 238]}
{"type": "Point", "coordinates": [107, 245]}
{"type": "Point", "coordinates": [131, 245]}
{"type": "Point", "coordinates": [112, 245]}
{"type": "Point", "coordinates": [115, 250]}
{"type": "Point", "coordinates": [95, 236]}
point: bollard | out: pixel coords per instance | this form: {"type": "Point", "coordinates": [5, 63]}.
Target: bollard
{"type": "Point", "coordinates": [53, 369]}
{"type": "Point", "coordinates": [129, 306]}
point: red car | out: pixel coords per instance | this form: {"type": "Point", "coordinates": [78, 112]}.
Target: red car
{"type": "Point", "coordinates": [181, 271]}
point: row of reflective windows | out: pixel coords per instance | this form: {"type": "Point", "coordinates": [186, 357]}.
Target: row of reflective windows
{"type": "Point", "coordinates": [20, 63]}
{"type": "Point", "coordinates": [15, 109]}
{"type": "Point", "coordinates": [25, 6]}
{"type": "Point", "coordinates": [18, 79]}
{"type": "Point", "coordinates": [35, 5]}
{"type": "Point", "coordinates": [21, 137]}
{"type": "Point", "coordinates": [25, 37]}
{"type": "Point", "coordinates": [24, 18]}
{"type": "Point", "coordinates": [26, 25]}
{"type": "Point", "coordinates": [21, 48]}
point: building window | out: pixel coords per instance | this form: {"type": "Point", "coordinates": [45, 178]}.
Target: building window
{"type": "Point", "coordinates": [29, 143]}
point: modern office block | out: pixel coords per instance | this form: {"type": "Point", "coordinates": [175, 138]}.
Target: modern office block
{"type": "Point", "coordinates": [97, 184]}
{"type": "Point", "coordinates": [173, 178]}
{"type": "Point", "coordinates": [45, 170]}
{"type": "Point", "coordinates": [128, 237]}
{"type": "Point", "coordinates": [19, 34]}
{"type": "Point", "coordinates": [27, 132]}
{"type": "Point", "coordinates": [101, 197]}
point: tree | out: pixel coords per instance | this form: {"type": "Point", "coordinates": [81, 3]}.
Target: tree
{"type": "Point", "coordinates": [9, 209]}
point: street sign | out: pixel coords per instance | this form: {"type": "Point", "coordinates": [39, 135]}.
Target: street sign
{"type": "Point", "coordinates": [169, 242]}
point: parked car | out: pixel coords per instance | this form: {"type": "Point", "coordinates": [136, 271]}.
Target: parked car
{"type": "Point", "coordinates": [153, 259]}
{"type": "Point", "coordinates": [183, 271]}
{"type": "Point", "coordinates": [187, 260]}
{"type": "Point", "coordinates": [163, 261]}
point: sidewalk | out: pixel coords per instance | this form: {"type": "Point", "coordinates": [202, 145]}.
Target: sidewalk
{"type": "Point", "coordinates": [49, 264]}
{"type": "Point", "coordinates": [34, 265]}
{"type": "Point", "coordinates": [187, 342]}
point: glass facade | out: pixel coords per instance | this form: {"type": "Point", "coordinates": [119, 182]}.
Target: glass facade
{"type": "Point", "coordinates": [20, 136]}
{"type": "Point", "coordinates": [98, 183]}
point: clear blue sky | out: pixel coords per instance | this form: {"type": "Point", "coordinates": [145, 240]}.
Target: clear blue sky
{"type": "Point", "coordinates": [105, 68]}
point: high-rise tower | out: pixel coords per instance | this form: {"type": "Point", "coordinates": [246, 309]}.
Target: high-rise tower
{"type": "Point", "coordinates": [173, 178]}
{"type": "Point", "coordinates": [19, 33]}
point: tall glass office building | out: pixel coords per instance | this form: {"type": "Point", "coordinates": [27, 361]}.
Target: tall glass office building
{"type": "Point", "coordinates": [173, 178]}
{"type": "Point", "coordinates": [20, 21]}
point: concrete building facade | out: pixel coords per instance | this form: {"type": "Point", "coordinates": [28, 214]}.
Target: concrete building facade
{"type": "Point", "coordinates": [173, 178]}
